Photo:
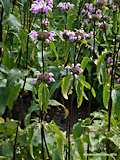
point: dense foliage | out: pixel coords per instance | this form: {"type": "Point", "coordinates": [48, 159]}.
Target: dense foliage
{"type": "Point", "coordinates": [60, 80]}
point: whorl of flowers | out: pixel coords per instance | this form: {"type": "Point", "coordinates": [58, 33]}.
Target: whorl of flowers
{"type": "Point", "coordinates": [65, 6]}
{"type": "Point", "coordinates": [72, 69]}
{"type": "Point", "coordinates": [73, 36]}
{"type": "Point", "coordinates": [34, 35]}
{"type": "Point", "coordinates": [101, 2]}
{"type": "Point", "coordinates": [42, 6]}
{"type": "Point", "coordinates": [45, 23]}
{"type": "Point", "coordinates": [44, 77]}
{"type": "Point", "coordinates": [69, 35]}
{"type": "Point", "coordinates": [103, 26]}
{"type": "Point", "coordinates": [90, 12]}
{"type": "Point", "coordinates": [44, 36]}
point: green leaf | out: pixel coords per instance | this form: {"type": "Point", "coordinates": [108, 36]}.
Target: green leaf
{"type": "Point", "coordinates": [55, 103]}
{"type": "Point", "coordinates": [36, 139]}
{"type": "Point", "coordinates": [13, 92]}
{"type": "Point", "coordinates": [78, 88]}
{"type": "Point", "coordinates": [6, 150]}
{"type": "Point", "coordinates": [6, 5]}
{"type": "Point", "coordinates": [77, 130]}
{"type": "Point", "coordinates": [93, 92]}
{"type": "Point", "coordinates": [65, 85]}
{"type": "Point", "coordinates": [12, 21]}
{"type": "Point", "coordinates": [3, 99]}
{"type": "Point", "coordinates": [102, 74]}
{"type": "Point", "coordinates": [59, 138]}
{"type": "Point", "coordinates": [43, 95]}
{"type": "Point", "coordinates": [3, 157]}
{"type": "Point", "coordinates": [53, 49]}
{"type": "Point", "coordinates": [106, 95]}
{"type": "Point", "coordinates": [31, 151]}
{"type": "Point", "coordinates": [84, 83]}
{"type": "Point", "coordinates": [116, 102]}
{"type": "Point", "coordinates": [84, 62]}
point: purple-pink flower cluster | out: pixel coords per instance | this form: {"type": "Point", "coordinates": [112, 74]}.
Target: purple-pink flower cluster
{"type": "Point", "coordinates": [44, 77]}
{"type": "Point", "coordinates": [65, 6]}
{"type": "Point", "coordinates": [42, 6]}
{"type": "Point", "coordinates": [101, 2]}
{"type": "Point", "coordinates": [103, 26]}
{"type": "Point", "coordinates": [48, 37]}
{"type": "Point", "coordinates": [45, 23]}
{"type": "Point", "coordinates": [74, 36]}
{"type": "Point", "coordinates": [34, 35]}
{"type": "Point", "coordinates": [72, 69]}
{"type": "Point", "coordinates": [90, 12]}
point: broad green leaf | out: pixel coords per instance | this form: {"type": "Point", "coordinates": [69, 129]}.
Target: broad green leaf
{"type": "Point", "coordinates": [106, 95]}
{"type": "Point", "coordinates": [6, 5]}
{"type": "Point", "coordinates": [102, 74]}
{"type": "Point", "coordinates": [65, 85]}
{"type": "Point", "coordinates": [13, 92]}
{"type": "Point", "coordinates": [12, 21]}
{"type": "Point", "coordinates": [43, 95]}
{"type": "Point", "coordinates": [31, 151]}
{"type": "Point", "coordinates": [84, 62]}
{"type": "Point", "coordinates": [78, 88]}
{"type": "Point", "coordinates": [80, 147]}
{"type": "Point", "coordinates": [84, 83]}
{"type": "Point", "coordinates": [60, 139]}
{"type": "Point", "coordinates": [36, 139]}
{"type": "Point", "coordinates": [3, 99]}
{"type": "Point", "coordinates": [53, 49]}
{"type": "Point", "coordinates": [3, 157]}
{"type": "Point", "coordinates": [54, 128]}
{"type": "Point", "coordinates": [11, 128]}
{"type": "Point", "coordinates": [93, 92]}
{"type": "Point", "coordinates": [116, 102]}
{"type": "Point", "coordinates": [6, 150]}
{"type": "Point", "coordinates": [77, 130]}
{"type": "Point", "coordinates": [55, 103]}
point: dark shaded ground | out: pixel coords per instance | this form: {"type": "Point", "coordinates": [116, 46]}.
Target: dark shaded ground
{"type": "Point", "coordinates": [57, 114]}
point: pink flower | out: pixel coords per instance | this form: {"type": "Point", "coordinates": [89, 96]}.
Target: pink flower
{"type": "Point", "coordinates": [42, 6]}
{"type": "Point", "coordinates": [45, 22]}
{"type": "Point", "coordinates": [46, 77]}
{"type": "Point", "coordinates": [34, 35]}
{"type": "Point", "coordinates": [50, 38]}
{"type": "Point", "coordinates": [65, 6]}
{"type": "Point", "coordinates": [118, 80]}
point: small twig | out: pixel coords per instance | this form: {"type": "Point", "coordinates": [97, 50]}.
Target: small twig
{"type": "Point", "coordinates": [42, 144]}
{"type": "Point", "coordinates": [15, 142]}
{"type": "Point", "coordinates": [46, 145]}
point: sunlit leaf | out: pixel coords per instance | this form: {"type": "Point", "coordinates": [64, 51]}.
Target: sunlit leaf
{"type": "Point", "coordinates": [65, 85]}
